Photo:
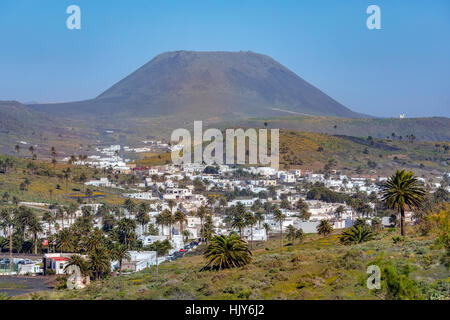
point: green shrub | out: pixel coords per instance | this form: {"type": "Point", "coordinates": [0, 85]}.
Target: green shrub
{"type": "Point", "coordinates": [397, 239]}
{"type": "Point", "coordinates": [356, 234]}
{"type": "Point", "coordinates": [398, 285]}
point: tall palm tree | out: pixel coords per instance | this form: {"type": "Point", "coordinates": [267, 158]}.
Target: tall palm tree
{"type": "Point", "coordinates": [180, 217]}
{"type": "Point", "coordinates": [238, 222]}
{"type": "Point", "coordinates": [126, 228]}
{"type": "Point", "coordinates": [227, 252]}
{"type": "Point", "coordinates": [49, 218]}
{"type": "Point", "coordinates": [35, 228]}
{"type": "Point", "coordinates": [168, 220]}
{"type": "Point", "coordinates": [8, 221]}
{"type": "Point", "coordinates": [100, 263]}
{"type": "Point", "coordinates": [250, 220]}
{"type": "Point", "coordinates": [120, 252]}
{"type": "Point", "coordinates": [161, 248]}
{"type": "Point", "coordinates": [159, 220]}
{"type": "Point", "coordinates": [142, 215]}
{"type": "Point", "coordinates": [266, 227]}
{"type": "Point", "coordinates": [259, 216]}
{"type": "Point", "coordinates": [171, 203]}
{"type": "Point", "coordinates": [93, 241]}
{"type": "Point", "coordinates": [279, 217]}
{"type": "Point", "coordinates": [64, 241]}
{"type": "Point", "coordinates": [201, 213]}
{"type": "Point", "coordinates": [291, 232]}
{"type": "Point", "coordinates": [60, 214]}
{"type": "Point", "coordinates": [130, 206]}
{"type": "Point", "coordinates": [71, 210]}
{"type": "Point", "coordinates": [402, 191]}
{"type": "Point", "coordinates": [66, 175]}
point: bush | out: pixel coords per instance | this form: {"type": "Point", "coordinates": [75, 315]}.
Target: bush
{"type": "Point", "coordinates": [62, 283]}
{"type": "Point", "coordinates": [397, 239]}
{"type": "Point", "coordinates": [356, 234]}
{"type": "Point", "coordinates": [398, 284]}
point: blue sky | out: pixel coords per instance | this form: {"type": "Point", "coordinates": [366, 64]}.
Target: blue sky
{"type": "Point", "coordinates": [402, 68]}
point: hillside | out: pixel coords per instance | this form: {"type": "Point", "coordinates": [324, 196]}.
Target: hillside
{"type": "Point", "coordinates": [318, 268]}
{"type": "Point", "coordinates": [31, 181]}
{"type": "Point", "coordinates": [424, 129]}
{"type": "Point", "coordinates": [312, 151]}
{"type": "Point", "coordinates": [24, 126]}
{"type": "Point", "coordinates": [204, 85]}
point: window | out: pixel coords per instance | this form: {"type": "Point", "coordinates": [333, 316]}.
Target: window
{"type": "Point", "coordinates": [61, 265]}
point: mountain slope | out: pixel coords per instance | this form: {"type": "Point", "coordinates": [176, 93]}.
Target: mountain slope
{"type": "Point", "coordinates": [20, 124]}
{"type": "Point", "coordinates": [424, 129]}
{"type": "Point", "coordinates": [206, 85]}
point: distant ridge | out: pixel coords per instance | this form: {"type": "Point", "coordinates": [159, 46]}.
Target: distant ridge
{"type": "Point", "coordinates": [221, 85]}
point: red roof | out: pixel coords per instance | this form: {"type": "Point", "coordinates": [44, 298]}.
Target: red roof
{"type": "Point", "coordinates": [60, 259]}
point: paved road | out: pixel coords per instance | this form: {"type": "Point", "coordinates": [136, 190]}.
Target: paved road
{"type": "Point", "coordinates": [24, 285]}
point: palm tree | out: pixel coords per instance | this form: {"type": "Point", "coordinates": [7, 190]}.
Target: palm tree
{"type": "Point", "coordinates": [161, 248]}
{"type": "Point", "coordinates": [64, 241]}
{"type": "Point", "coordinates": [80, 262]}
{"type": "Point", "coordinates": [100, 263]}
{"type": "Point", "coordinates": [71, 210]}
{"type": "Point", "coordinates": [279, 217]}
{"type": "Point", "coordinates": [49, 218]}
{"type": "Point", "coordinates": [250, 220]}
{"type": "Point", "coordinates": [266, 226]}
{"type": "Point", "coordinates": [130, 206]}
{"type": "Point", "coordinates": [108, 222]}
{"type": "Point", "coordinates": [356, 234]}
{"type": "Point", "coordinates": [201, 213]}
{"type": "Point", "coordinates": [171, 203]}
{"type": "Point", "coordinates": [66, 175]}
{"type": "Point", "coordinates": [180, 217]}
{"type": "Point", "coordinates": [291, 232]}
{"type": "Point", "coordinates": [227, 252]}
{"type": "Point", "coordinates": [159, 220]}
{"type": "Point", "coordinates": [259, 216]}
{"type": "Point", "coordinates": [35, 228]}
{"type": "Point", "coordinates": [142, 215]}
{"type": "Point", "coordinates": [24, 218]}
{"type": "Point", "coordinates": [120, 252]}
{"type": "Point", "coordinates": [31, 149]}
{"type": "Point", "coordinates": [402, 191]}
{"type": "Point", "coordinates": [168, 220]}
{"type": "Point", "coordinates": [60, 213]}
{"type": "Point", "coordinates": [126, 228]}
{"type": "Point", "coordinates": [324, 227]}
{"type": "Point", "coordinates": [186, 235]}
{"type": "Point", "coordinates": [8, 221]}
{"type": "Point", "coordinates": [238, 222]}
{"type": "Point", "coordinates": [300, 235]}
{"type": "Point", "coordinates": [93, 241]}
